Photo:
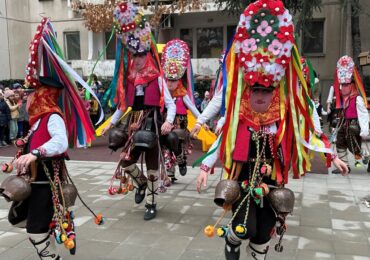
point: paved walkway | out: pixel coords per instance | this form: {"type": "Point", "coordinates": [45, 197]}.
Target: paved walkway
{"type": "Point", "coordinates": [329, 220]}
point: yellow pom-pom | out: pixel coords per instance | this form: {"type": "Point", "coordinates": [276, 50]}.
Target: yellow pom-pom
{"type": "Point", "coordinates": [220, 232]}
{"type": "Point", "coordinates": [63, 237]}
{"type": "Point", "coordinates": [65, 225]}
{"type": "Point", "coordinates": [209, 231]}
{"type": "Point", "coordinates": [240, 229]}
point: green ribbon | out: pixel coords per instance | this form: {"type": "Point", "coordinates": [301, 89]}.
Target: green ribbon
{"type": "Point", "coordinates": [87, 94]}
{"type": "Point", "coordinates": [209, 153]}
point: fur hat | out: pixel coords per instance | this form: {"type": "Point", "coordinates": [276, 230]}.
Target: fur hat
{"type": "Point", "coordinates": [8, 93]}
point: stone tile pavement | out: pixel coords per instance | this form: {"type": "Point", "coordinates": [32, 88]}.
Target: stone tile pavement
{"type": "Point", "coordinates": [329, 220]}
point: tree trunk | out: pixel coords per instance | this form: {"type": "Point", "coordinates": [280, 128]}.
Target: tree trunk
{"type": "Point", "coordinates": [356, 36]}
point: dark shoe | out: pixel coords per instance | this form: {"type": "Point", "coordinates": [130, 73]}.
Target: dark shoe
{"type": "Point", "coordinates": [183, 169]}
{"type": "Point", "coordinates": [173, 179]}
{"type": "Point", "coordinates": [150, 212]}
{"type": "Point", "coordinates": [232, 252]}
{"type": "Point", "coordinates": [337, 171]}
{"type": "Point", "coordinates": [140, 194]}
{"type": "Point", "coordinates": [4, 143]}
{"type": "Point", "coordinates": [368, 167]}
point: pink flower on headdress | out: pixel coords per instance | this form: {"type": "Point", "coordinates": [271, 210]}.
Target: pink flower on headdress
{"type": "Point", "coordinates": [249, 45]}
{"type": "Point", "coordinates": [275, 47]}
{"type": "Point", "coordinates": [253, 65]}
{"type": "Point", "coordinates": [286, 33]}
{"type": "Point", "coordinates": [245, 21]}
{"type": "Point", "coordinates": [286, 49]}
{"type": "Point", "coordinates": [264, 28]}
{"type": "Point", "coordinates": [285, 19]}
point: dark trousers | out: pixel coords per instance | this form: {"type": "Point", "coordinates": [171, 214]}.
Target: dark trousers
{"type": "Point", "coordinates": [40, 209]}
{"type": "Point", "coordinates": [2, 133]}
{"type": "Point", "coordinates": [260, 222]}
{"type": "Point", "coordinates": [151, 158]}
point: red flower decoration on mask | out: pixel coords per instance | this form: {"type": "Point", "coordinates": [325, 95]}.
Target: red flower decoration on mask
{"type": "Point", "coordinates": [261, 58]}
{"type": "Point", "coordinates": [286, 34]}
{"type": "Point", "coordinates": [251, 78]}
{"type": "Point", "coordinates": [252, 9]}
{"type": "Point", "coordinates": [241, 34]}
{"type": "Point", "coordinates": [283, 60]}
{"type": "Point", "coordinates": [276, 7]}
{"type": "Point", "coordinates": [266, 80]}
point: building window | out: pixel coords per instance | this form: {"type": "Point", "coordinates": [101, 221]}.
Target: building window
{"type": "Point", "coordinates": [111, 46]}
{"type": "Point", "coordinates": [72, 45]}
{"type": "Point", "coordinates": [187, 36]}
{"type": "Point", "coordinates": [209, 42]}
{"type": "Point", "coordinates": [313, 38]}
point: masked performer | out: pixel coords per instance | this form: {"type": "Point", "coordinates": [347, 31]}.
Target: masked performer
{"type": "Point", "coordinates": [138, 84]}
{"type": "Point", "coordinates": [57, 117]}
{"type": "Point", "coordinates": [266, 111]}
{"type": "Point", "coordinates": [353, 123]}
{"type": "Point", "coordinates": [177, 68]}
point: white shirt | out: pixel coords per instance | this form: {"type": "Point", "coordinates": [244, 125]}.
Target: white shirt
{"type": "Point", "coordinates": [363, 116]}
{"type": "Point", "coordinates": [58, 143]}
{"type": "Point", "coordinates": [168, 102]}
{"type": "Point", "coordinates": [212, 109]}
{"type": "Point", "coordinates": [191, 106]}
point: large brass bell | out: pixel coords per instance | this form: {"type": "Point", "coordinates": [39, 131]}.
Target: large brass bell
{"type": "Point", "coordinates": [15, 188]}
{"type": "Point", "coordinates": [69, 194]}
{"type": "Point", "coordinates": [117, 137]}
{"type": "Point", "coordinates": [227, 192]}
{"type": "Point", "coordinates": [282, 200]}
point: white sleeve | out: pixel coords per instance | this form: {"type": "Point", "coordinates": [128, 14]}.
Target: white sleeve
{"type": "Point", "coordinates": [168, 101]}
{"type": "Point", "coordinates": [220, 122]}
{"type": "Point", "coordinates": [191, 106]}
{"type": "Point", "coordinates": [213, 108]}
{"type": "Point", "coordinates": [211, 160]}
{"type": "Point", "coordinates": [363, 116]}
{"type": "Point", "coordinates": [316, 121]}
{"type": "Point", "coordinates": [116, 116]}
{"type": "Point", "coordinates": [58, 143]}
{"type": "Point", "coordinates": [330, 95]}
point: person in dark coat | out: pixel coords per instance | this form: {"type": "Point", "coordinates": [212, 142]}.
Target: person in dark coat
{"type": "Point", "coordinates": [4, 119]}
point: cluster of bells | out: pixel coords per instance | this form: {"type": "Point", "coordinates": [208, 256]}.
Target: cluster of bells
{"type": "Point", "coordinates": [66, 234]}
{"type": "Point", "coordinates": [33, 63]}
{"type": "Point", "coordinates": [125, 186]}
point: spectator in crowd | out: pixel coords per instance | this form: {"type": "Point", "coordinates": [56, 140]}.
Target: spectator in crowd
{"type": "Point", "coordinates": [100, 94]}
{"type": "Point", "coordinates": [18, 100]}
{"type": "Point", "coordinates": [205, 101]}
{"type": "Point", "coordinates": [4, 119]}
{"type": "Point", "coordinates": [198, 101]}
{"type": "Point", "coordinates": [96, 84]}
{"type": "Point", "coordinates": [23, 124]}
{"type": "Point", "coordinates": [94, 111]}
{"type": "Point", "coordinates": [14, 113]}
{"type": "Point", "coordinates": [17, 87]}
